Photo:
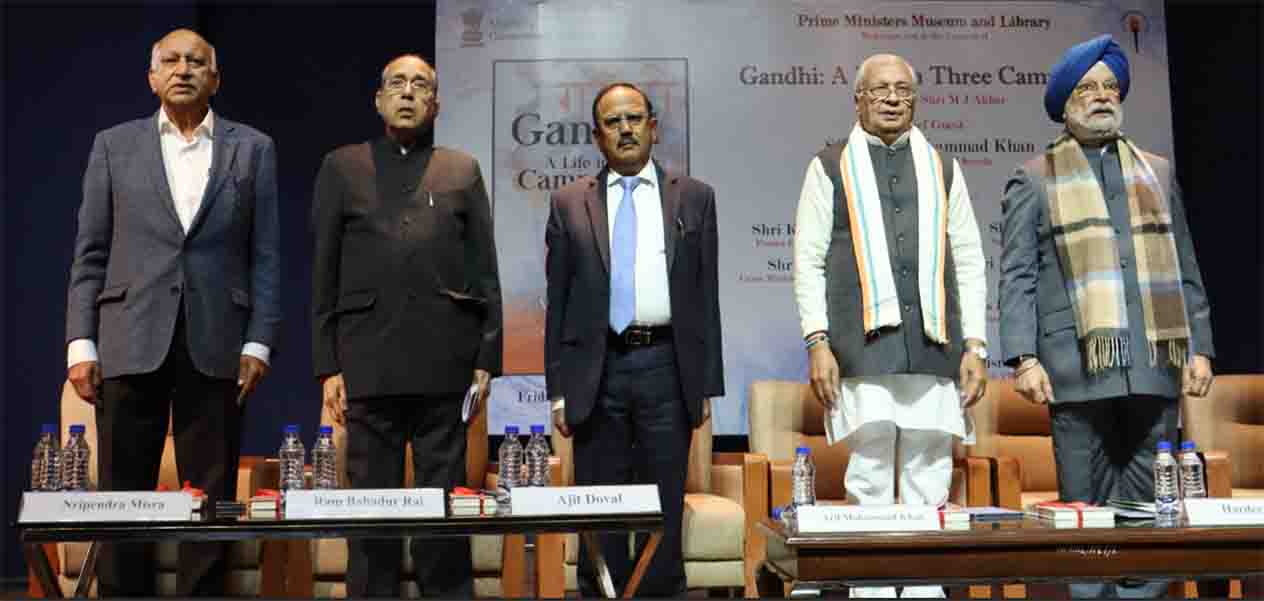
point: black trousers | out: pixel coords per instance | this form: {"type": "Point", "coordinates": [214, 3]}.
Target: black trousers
{"type": "Point", "coordinates": [1105, 449]}
{"type": "Point", "coordinates": [377, 432]}
{"type": "Point", "coordinates": [638, 433]}
{"type": "Point", "coordinates": [132, 414]}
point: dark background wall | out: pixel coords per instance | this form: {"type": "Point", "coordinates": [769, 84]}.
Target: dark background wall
{"type": "Point", "coordinates": [305, 74]}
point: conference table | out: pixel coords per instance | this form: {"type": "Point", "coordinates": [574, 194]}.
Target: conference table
{"type": "Point", "coordinates": [1003, 552]}
{"type": "Point", "coordinates": [33, 535]}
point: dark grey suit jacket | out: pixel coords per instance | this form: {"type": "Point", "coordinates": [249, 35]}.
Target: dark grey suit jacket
{"type": "Point", "coordinates": [578, 269]}
{"type": "Point", "coordinates": [1036, 313]}
{"type": "Point", "coordinates": [134, 265]}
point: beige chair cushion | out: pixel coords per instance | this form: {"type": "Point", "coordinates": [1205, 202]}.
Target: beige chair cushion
{"type": "Point", "coordinates": [714, 574]}
{"type": "Point", "coordinates": [714, 528]}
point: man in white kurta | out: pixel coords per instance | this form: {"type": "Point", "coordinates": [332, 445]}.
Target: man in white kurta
{"type": "Point", "coordinates": [890, 284]}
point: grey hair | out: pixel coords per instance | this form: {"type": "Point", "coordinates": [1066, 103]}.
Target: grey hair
{"type": "Point", "coordinates": [434, 80]}
{"type": "Point", "coordinates": [860, 71]}
{"type": "Point", "coordinates": [153, 58]}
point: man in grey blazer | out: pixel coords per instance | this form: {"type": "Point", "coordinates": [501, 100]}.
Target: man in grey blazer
{"type": "Point", "coordinates": [1103, 312]}
{"type": "Point", "coordinates": [174, 297]}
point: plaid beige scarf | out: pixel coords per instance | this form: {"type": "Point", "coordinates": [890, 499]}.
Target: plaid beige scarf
{"type": "Point", "coordinates": [1089, 255]}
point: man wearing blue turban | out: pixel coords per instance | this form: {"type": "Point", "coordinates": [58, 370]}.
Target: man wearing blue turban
{"type": "Point", "coordinates": [1103, 312]}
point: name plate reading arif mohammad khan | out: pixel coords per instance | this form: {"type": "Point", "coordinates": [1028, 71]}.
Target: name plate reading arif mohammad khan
{"type": "Point", "coordinates": [871, 518]}
{"type": "Point", "coordinates": [106, 507]}
{"type": "Point", "coordinates": [584, 500]}
{"type": "Point", "coordinates": [364, 503]}
{"type": "Point", "coordinates": [1225, 512]}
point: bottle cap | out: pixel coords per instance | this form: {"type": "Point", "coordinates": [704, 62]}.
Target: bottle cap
{"type": "Point", "coordinates": [1165, 445]}
{"type": "Point", "coordinates": [1187, 445]}
{"type": "Point", "coordinates": [537, 428]}
{"type": "Point", "coordinates": [48, 429]}
{"type": "Point", "coordinates": [511, 430]}
{"type": "Point", "coordinates": [802, 451]}
{"type": "Point", "coordinates": [77, 429]}
{"type": "Point", "coordinates": [291, 429]}
{"type": "Point", "coordinates": [326, 429]}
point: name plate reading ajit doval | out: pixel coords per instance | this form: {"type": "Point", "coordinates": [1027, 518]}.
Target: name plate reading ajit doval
{"type": "Point", "coordinates": [364, 503]}
{"type": "Point", "coordinates": [106, 507]}
{"type": "Point", "coordinates": [584, 500]}
{"type": "Point", "coordinates": [1225, 512]}
{"type": "Point", "coordinates": [872, 518]}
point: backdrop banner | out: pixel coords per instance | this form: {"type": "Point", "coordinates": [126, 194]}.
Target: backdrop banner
{"type": "Point", "coordinates": [747, 91]}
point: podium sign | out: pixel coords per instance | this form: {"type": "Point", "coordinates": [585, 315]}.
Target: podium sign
{"type": "Point", "coordinates": [1225, 512]}
{"type": "Point", "coordinates": [364, 503]}
{"type": "Point", "coordinates": [584, 500]}
{"type": "Point", "coordinates": [105, 507]}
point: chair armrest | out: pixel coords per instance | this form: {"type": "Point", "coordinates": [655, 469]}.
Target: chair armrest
{"type": "Point", "coordinates": [978, 479]}
{"type": "Point", "coordinates": [781, 483]}
{"type": "Point", "coordinates": [754, 506]}
{"type": "Point", "coordinates": [1219, 473]}
{"type": "Point", "coordinates": [1007, 481]}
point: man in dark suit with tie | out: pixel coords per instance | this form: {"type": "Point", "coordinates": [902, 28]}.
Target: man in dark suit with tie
{"type": "Point", "coordinates": [406, 316]}
{"type": "Point", "coordinates": [174, 298]}
{"type": "Point", "coordinates": [632, 339]}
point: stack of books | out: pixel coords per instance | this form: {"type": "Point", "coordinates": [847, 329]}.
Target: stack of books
{"type": "Point", "coordinates": [467, 501]}
{"type": "Point", "coordinates": [953, 517]}
{"type": "Point", "coordinates": [265, 504]}
{"type": "Point", "coordinates": [1073, 515]}
{"type": "Point", "coordinates": [993, 514]}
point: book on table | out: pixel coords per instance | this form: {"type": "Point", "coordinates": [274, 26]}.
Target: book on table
{"type": "Point", "coordinates": [1076, 514]}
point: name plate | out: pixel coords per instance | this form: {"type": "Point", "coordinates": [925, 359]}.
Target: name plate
{"type": "Point", "coordinates": [1225, 512]}
{"type": "Point", "coordinates": [106, 507]}
{"type": "Point", "coordinates": [866, 518]}
{"type": "Point", "coordinates": [584, 500]}
{"type": "Point", "coordinates": [364, 503]}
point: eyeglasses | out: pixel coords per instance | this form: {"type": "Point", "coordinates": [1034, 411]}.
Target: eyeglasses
{"type": "Point", "coordinates": [901, 92]}
{"type": "Point", "coordinates": [1090, 88]}
{"type": "Point", "coordinates": [613, 122]}
{"type": "Point", "coordinates": [399, 84]}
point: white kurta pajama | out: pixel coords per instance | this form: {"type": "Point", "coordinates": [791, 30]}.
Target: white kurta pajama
{"type": "Point", "coordinates": [904, 420]}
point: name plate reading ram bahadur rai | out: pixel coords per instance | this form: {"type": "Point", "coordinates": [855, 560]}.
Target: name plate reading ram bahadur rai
{"type": "Point", "coordinates": [106, 507]}
{"type": "Point", "coordinates": [584, 500]}
{"type": "Point", "coordinates": [365, 503]}
{"type": "Point", "coordinates": [813, 519]}
{"type": "Point", "coordinates": [1225, 512]}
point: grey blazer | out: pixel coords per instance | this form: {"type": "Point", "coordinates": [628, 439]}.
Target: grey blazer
{"type": "Point", "coordinates": [1035, 308]}
{"type": "Point", "coordinates": [134, 265]}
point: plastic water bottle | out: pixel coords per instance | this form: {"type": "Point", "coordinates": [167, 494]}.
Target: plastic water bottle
{"type": "Point", "coordinates": [1193, 483]}
{"type": "Point", "coordinates": [46, 460]}
{"type": "Point", "coordinates": [510, 464]}
{"type": "Point", "coordinates": [325, 460]}
{"type": "Point", "coordinates": [292, 455]}
{"type": "Point", "coordinates": [537, 455]}
{"type": "Point", "coordinates": [1167, 492]}
{"type": "Point", "coordinates": [803, 475]}
{"type": "Point", "coordinates": [786, 515]}
{"type": "Point", "coordinates": [74, 460]}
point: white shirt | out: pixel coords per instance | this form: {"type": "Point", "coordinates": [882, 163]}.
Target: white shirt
{"type": "Point", "coordinates": [653, 299]}
{"type": "Point", "coordinates": [188, 167]}
{"type": "Point", "coordinates": [187, 164]}
{"type": "Point", "coordinates": [913, 401]}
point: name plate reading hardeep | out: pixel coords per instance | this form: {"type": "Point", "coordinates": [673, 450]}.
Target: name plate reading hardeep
{"type": "Point", "coordinates": [1225, 512]}
{"type": "Point", "coordinates": [106, 507]}
{"type": "Point", "coordinates": [866, 518]}
{"type": "Point", "coordinates": [584, 500]}
{"type": "Point", "coordinates": [364, 503]}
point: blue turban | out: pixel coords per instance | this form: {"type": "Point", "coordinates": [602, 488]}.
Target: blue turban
{"type": "Point", "coordinates": [1068, 71]}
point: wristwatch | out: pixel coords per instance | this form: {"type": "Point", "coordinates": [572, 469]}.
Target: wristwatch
{"type": "Point", "coordinates": [979, 351]}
